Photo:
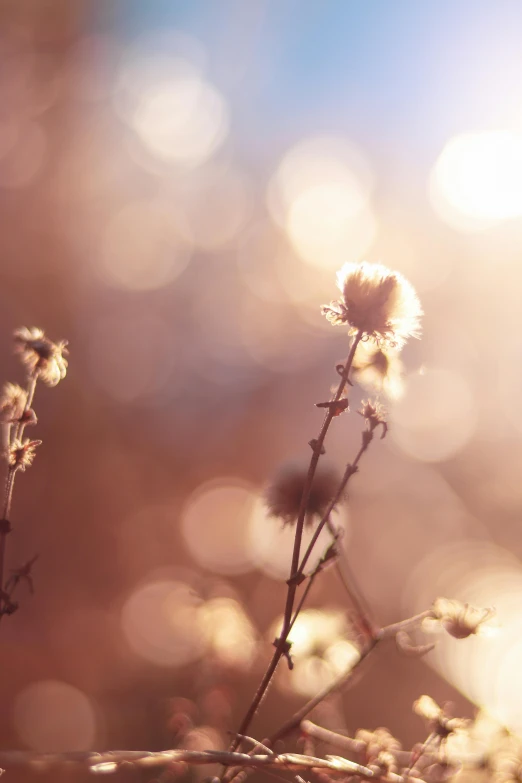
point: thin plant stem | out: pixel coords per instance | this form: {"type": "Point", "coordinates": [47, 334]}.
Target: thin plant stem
{"type": "Point", "coordinates": [394, 628]}
{"type": "Point", "coordinates": [282, 644]}
{"type": "Point", "coordinates": [309, 480]}
{"type": "Point", "coordinates": [336, 685]}
{"type": "Point", "coordinates": [351, 468]}
{"type": "Point", "coordinates": [302, 600]}
{"type": "Point", "coordinates": [347, 678]}
{"type": "Point", "coordinates": [9, 486]}
{"type": "Point", "coordinates": [352, 588]}
{"type": "Point", "coordinates": [5, 527]}
{"type": "Point", "coordinates": [416, 756]}
{"type": "Point", "coordinates": [110, 761]}
{"type": "Point", "coordinates": [31, 388]}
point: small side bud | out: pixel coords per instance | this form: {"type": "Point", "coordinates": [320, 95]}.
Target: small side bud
{"type": "Point", "coordinates": [335, 407]}
{"type": "Point", "coordinates": [314, 445]}
{"type": "Point", "coordinates": [22, 454]}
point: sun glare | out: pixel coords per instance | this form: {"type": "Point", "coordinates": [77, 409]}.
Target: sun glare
{"type": "Point", "coordinates": [477, 179]}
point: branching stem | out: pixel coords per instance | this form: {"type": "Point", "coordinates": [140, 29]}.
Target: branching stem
{"type": "Point", "coordinates": [282, 642]}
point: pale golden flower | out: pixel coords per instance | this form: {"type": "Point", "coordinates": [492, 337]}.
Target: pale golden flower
{"type": "Point", "coordinates": [379, 368]}
{"type": "Point", "coordinates": [12, 403]}
{"type": "Point", "coordinates": [40, 355]}
{"type": "Point", "coordinates": [283, 495]}
{"type": "Point", "coordinates": [458, 619]}
{"type": "Point", "coordinates": [22, 454]}
{"type": "Point", "coordinates": [381, 304]}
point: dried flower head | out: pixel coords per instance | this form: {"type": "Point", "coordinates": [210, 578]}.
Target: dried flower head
{"type": "Point", "coordinates": [22, 454]}
{"type": "Point", "coordinates": [381, 304]}
{"type": "Point", "coordinates": [374, 415]}
{"type": "Point", "coordinates": [12, 403]}
{"type": "Point", "coordinates": [379, 368]}
{"type": "Point", "coordinates": [283, 495]}
{"type": "Point", "coordinates": [379, 745]}
{"type": "Point", "coordinates": [439, 721]}
{"type": "Point", "coordinates": [40, 355]}
{"type": "Point", "coordinates": [458, 619]}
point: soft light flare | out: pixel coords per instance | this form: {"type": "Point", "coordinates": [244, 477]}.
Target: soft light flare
{"type": "Point", "coordinates": [477, 179]}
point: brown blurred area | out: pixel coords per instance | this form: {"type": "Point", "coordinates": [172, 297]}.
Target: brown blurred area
{"type": "Point", "coordinates": [187, 275]}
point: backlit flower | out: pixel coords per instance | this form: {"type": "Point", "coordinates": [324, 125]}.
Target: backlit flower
{"type": "Point", "coordinates": [381, 304]}
{"type": "Point", "coordinates": [40, 355]}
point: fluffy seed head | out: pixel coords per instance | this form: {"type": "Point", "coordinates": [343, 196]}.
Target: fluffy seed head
{"type": "Point", "coordinates": [381, 304]}
{"type": "Point", "coordinates": [22, 453]}
{"type": "Point", "coordinates": [12, 403]}
{"type": "Point", "coordinates": [40, 355]}
{"type": "Point", "coordinates": [283, 495]}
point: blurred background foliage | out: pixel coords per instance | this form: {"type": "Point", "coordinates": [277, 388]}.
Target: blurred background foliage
{"type": "Point", "coordinates": [179, 182]}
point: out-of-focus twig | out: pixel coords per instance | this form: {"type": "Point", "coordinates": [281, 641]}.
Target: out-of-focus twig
{"type": "Point", "coordinates": [111, 761]}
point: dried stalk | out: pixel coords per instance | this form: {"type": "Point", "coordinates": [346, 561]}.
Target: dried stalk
{"type": "Point", "coordinates": [282, 647]}
{"type": "Point", "coordinates": [112, 760]}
